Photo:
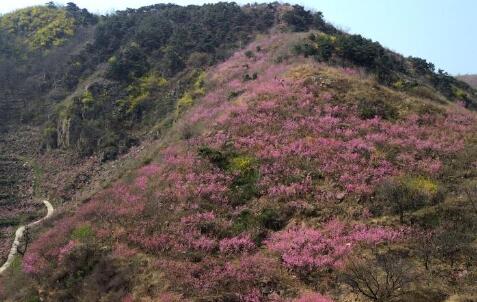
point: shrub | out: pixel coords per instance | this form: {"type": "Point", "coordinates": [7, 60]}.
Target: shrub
{"type": "Point", "coordinates": [214, 156]}
{"type": "Point", "coordinates": [421, 65]}
{"type": "Point", "coordinates": [322, 47]}
{"type": "Point", "coordinates": [245, 221]}
{"type": "Point", "coordinates": [242, 164]}
{"type": "Point", "coordinates": [87, 99]}
{"type": "Point", "coordinates": [249, 54]}
{"type": "Point", "coordinates": [358, 50]}
{"type": "Point", "coordinates": [423, 185]}
{"type": "Point", "coordinates": [244, 185]}
{"type": "Point", "coordinates": [50, 136]}
{"type": "Point", "coordinates": [234, 94]}
{"type": "Point", "coordinates": [305, 49]}
{"type": "Point", "coordinates": [142, 90]}
{"type": "Point", "coordinates": [90, 273]}
{"type": "Point", "coordinates": [453, 244]}
{"type": "Point", "coordinates": [408, 194]}
{"type": "Point", "coordinates": [185, 102]}
{"type": "Point", "coordinates": [243, 168]}
{"type": "Point", "coordinates": [369, 109]}
{"type": "Point", "coordinates": [326, 48]}
{"type": "Point", "coordinates": [109, 153]}
{"type": "Point", "coordinates": [247, 77]}
{"type": "Point", "coordinates": [272, 219]}
{"type": "Point", "coordinates": [197, 91]}
{"type": "Point", "coordinates": [239, 244]}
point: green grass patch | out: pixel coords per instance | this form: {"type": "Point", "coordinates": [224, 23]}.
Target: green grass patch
{"type": "Point", "coordinates": [83, 233]}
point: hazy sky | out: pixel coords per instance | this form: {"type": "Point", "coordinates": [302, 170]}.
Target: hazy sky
{"type": "Point", "coordinates": [442, 31]}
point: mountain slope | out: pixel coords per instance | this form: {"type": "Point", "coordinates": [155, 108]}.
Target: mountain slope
{"type": "Point", "coordinates": [469, 79]}
{"type": "Point", "coordinates": [105, 83]}
{"type": "Point", "coordinates": [295, 170]}
{"type": "Point", "coordinates": [80, 89]}
{"type": "Point", "coordinates": [263, 189]}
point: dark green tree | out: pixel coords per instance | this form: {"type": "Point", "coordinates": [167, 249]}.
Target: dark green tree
{"type": "Point", "coordinates": [51, 4]}
{"type": "Point", "coordinates": [299, 19]}
{"type": "Point", "coordinates": [421, 65]}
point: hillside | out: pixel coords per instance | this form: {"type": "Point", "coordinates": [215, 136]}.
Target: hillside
{"type": "Point", "coordinates": [227, 153]}
{"type": "Point", "coordinates": [469, 79]}
{"type": "Point", "coordinates": [80, 90]}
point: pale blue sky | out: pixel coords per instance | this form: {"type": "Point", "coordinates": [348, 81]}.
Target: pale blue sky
{"type": "Point", "coordinates": [442, 31]}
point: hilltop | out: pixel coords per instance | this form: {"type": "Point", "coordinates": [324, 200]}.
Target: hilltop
{"type": "Point", "coordinates": [228, 153]}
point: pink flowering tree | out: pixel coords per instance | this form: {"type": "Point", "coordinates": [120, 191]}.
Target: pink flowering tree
{"type": "Point", "coordinates": [307, 249]}
{"type": "Point", "coordinates": [237, 244]}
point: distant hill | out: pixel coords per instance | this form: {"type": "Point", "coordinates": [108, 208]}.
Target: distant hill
{"type": "Point", "coordinates": [470, 79]}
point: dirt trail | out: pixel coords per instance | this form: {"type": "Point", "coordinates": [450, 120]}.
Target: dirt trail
{"type": "Point", "coordinates": [19, 235]}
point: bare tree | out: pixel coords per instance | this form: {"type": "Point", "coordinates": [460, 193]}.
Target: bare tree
{"type": "Point", "coordinates": [382, 279]}
{"type": "Point", "coordinates": [425, 247]}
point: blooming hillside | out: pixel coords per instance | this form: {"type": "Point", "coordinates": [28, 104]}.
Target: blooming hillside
{"type": "Point", "coordinates": [282, 179]}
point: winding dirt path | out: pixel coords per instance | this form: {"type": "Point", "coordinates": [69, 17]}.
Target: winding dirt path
{"type": "Point", "coordinates": [19, 235]}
